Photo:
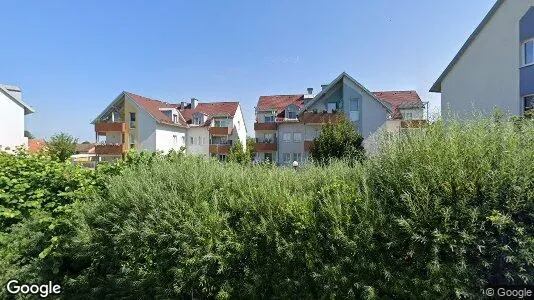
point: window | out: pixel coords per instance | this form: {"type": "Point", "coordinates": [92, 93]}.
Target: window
{"type": "Point", "coordinates": [197, 119]}
{"type": "Point", "coordinates": [297, 137]}
{"type": "Point", "coordinates": [287, 157]}
{"type": "Point", "coordinates": [191, 140]}
{"type": "Point", "coordinates": [221, 123]}
{"type": "Point", "coordinates": [407, 116]}
{"type": "Point", "coordinates": [529, 102]}
{"type": "Point", "coordinates": [268, 138]}
{"type": "Point", "coordinates": [297, 156]}
{"type": "Point", "coordinates": [269, 119]}
{"type": "Point", "coordinates": [286, 137]}
{"type": "Point", "coordinates": [291, 112]}
{"type": "Point", "coordinates": [528, 52]}
{"type": "Point", "coordinates": [268, 157]}
{"type": "Point", "coordinates": [132, 140]}
{"type": "Point", "coordinates": [175, 139]}
{"type": "Point", "coordinates": [222, 157]}
{"type": "Point", "coordinates": [331, 106]}
{"type": "Point", "coordinates": [175, 118]}
{"type": "Point", "coordinates": [354, 109]}
{"type": "Point", "coordinates": [132, 120]}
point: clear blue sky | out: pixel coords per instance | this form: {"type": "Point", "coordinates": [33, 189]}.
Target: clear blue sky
{"type": "Point", "coordinates": [72, 58]}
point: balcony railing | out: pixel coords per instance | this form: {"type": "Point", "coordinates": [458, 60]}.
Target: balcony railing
{"type": "Point", "coordinates": [114, 149]}
{"type": "Point", "coordinates": [265, 146]}
{"type": "Point", "coordinates": [265, 126]}
{"type": "Point", "coordinates": [112, 126]}
{"type": "Point", "coordinates": [219, 148]}
{"type": "Point", "coordinates": [220, 130]}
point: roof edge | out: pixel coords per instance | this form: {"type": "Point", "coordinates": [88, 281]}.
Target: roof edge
{"type": "Point", "coordinates": [27, 109]}
{"type": "Point", "coordinates": [436, 87]}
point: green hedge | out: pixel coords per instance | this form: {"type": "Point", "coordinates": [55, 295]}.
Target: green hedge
{"type": "Point", "coordinates": [436, 214]}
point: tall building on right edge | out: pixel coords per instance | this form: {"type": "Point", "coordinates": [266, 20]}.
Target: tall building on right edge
{"type": "Point", "coordinates": [495, 66]}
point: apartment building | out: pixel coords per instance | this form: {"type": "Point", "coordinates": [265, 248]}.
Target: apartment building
{"type": "Point", "coordinates": [495, 66]}
{"type": "Point", "coordinates": [286, 125]}
{"type": "Point", "coordinates": [136, 122]}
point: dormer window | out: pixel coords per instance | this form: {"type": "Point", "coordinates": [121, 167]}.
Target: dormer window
{"type": "Point", "coordinates": [291, 112]}
{"type": "Point", "coordinates": [528, 52]}
{"type": "Point", "coordinates": [198, 119]}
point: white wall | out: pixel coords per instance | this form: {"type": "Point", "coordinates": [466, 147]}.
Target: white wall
{"type": "Point", "coordinates": [240, 130]}
{"type": "Point", "coordinates": [146, 129]}
{"type": "Point", "coordinates": [487, 75]}
{"type": "Point", "coordinates": [201, 148]}
{"type": "Point", "coordinates": [165, 138]}
{"type": "Point", "coordinates": [113, 137]}
{"type": "Point", "coordinates": [11, 123]}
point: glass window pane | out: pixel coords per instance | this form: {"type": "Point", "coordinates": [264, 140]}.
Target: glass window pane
{"type": "Point", "coordinates": [331, 106]}
{"type": "Point", "coordinates": [529, 52]}
{"type": "Point", "coordinates": [354, 104]}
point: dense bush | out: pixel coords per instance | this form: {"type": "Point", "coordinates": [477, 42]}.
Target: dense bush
{"type": "Point", "coordinates": [437, 214]}
{"type": "Point", "coordinates": [338, 140]}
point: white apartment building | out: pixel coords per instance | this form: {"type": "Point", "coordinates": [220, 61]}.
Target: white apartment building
{"type": "Point", "coordinates": [12, 113]}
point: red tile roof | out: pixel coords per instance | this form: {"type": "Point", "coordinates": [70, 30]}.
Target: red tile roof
{"type": "Point", "coordinates": [35, 145]}
{"type": "Point", "coordinates": [279, 102]}
{"type": "Point", "coordinates": [152, 107]}
{"type": "Point", "coordinates": [210, 109]}
{"type": "Point", "coordinates": [399, 99]}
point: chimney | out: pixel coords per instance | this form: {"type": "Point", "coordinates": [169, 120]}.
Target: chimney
{"type": "Point", "coordinates": [194, 103]}
{"type": "Point", "coordinates": [323, 86]}
{"type": "Point", "coordinates": [310, 91]}
{"type": "Point", "coordinates": [182, 105]}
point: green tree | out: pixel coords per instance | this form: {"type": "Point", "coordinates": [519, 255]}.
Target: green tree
{"type": "Point", "coordinates": [238, 154]}
{"type": "Point", "coordinates": [337, 141]}
{"type": "Point", "coordinates": [28, 134]}
{"type": "Point", "coordinates": [61, 146]}
{"type": "Point", "coordinates": [251, 148]}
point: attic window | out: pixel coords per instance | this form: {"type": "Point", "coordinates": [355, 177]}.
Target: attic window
{"type": "Point", "coordinates": [197, 119]}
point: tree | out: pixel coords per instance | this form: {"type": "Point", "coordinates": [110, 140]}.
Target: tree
{"type": "Point", "coordinates": [238, 154]}
{"type": "Point", "coordinates": [251, 147]}
{"type": "Point", "coordinates": [28, 134]}
{"type": "Point", "coordinates": [61, 146]}
{"type": "Point", "coordinates": [337, 141]}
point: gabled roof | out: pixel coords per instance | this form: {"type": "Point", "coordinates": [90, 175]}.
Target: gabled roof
{"type": "Point", "coordinates": [332, 85]}
{"type": "Point", "coordinates": [279, 102]}
{"type": "Point", "coordinates": [211, 110]}
{"type": "Point", "coordinates": [10, 91]}
{"type": "Point", "coordinates": [437, 85]}
{"type": "Point", "coordinates": [400, 99]}
{"type": "Point", "coordinates": [153, 106]}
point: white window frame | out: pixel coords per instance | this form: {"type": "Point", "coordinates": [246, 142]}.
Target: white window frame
{"type": "Point", "coordinates": [524, 54]}
{"type": "Point", "coordinates": [300, 137]}
{"type": "Point", "coordinates": [288, 135]}
{"type": "Point", "coordinates": [328, 110]}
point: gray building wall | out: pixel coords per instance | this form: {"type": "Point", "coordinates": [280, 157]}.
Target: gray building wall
{"type": "Point", "coordinates": [526, 32]}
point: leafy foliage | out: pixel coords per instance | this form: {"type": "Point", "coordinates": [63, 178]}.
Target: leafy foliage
{"type": "Point", "coordinates": [61, 146]}
{"type": "Point", "coordinates": [238, 155]}
{"type": "Point", "coordinates": [337, 141]}
{"type": "Point", "coordinates": [436, 214]}
{"type": "Point", "coordinates": [28, 134]}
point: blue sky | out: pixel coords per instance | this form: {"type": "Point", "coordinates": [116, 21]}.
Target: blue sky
{"type": "Point", "coordinates": [72, 58]}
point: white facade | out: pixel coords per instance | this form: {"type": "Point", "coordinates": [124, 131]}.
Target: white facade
{"type": "Point", "coordinates": [240, 129]}
{"type": "Point", "coordinates": [169, 138]}
{"type": "Point", "coordinates": [12, 112]}
{"type": "Point", "coordinates": [486, 75]}
{"type": "Point", "coordinates": [198, 141]}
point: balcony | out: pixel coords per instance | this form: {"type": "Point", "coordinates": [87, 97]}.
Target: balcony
{"type": "Point", "coordinates": [219, 148]}
{"type": "Point", "coordinates": [308, 145]}
{"type": "Point", "coordinates": [265, 126]}
{"type": "Point", "coordinates": [110, 149]}
{"type": "Point", "coordinates": [266, 147]}
{"type": "Point", "coordinates": [220, 130]}
{"type": "Point", "coordinates": [107, 127]}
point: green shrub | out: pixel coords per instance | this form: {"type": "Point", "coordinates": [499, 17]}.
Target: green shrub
{"type": "Point", "coordinates": [436, 214]}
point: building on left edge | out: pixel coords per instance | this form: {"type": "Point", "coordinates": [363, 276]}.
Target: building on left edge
{"type": "Point", "coordinates": [136, 122]}
{"type": "Point", "coordinates": [12, 112]}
